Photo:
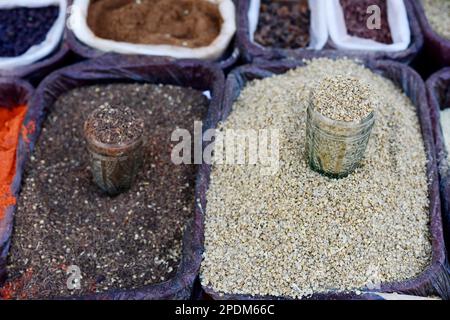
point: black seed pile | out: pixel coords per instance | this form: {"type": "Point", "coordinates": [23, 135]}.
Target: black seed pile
{"type": "Point", "coordinates": [283, 24]}
{"type": "Point", "coordinates": [114, 124]}
{"type": "Point", "coordinates": [22, 28]}
{"type": "Point", "coordinates": [63, 219]}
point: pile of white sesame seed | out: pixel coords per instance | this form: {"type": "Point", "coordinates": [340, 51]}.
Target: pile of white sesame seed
{"type": "Point", "coordinates": [296, 232]}
{"type": "Point", "coordinates": [438, 14]}
{"type": "Point", "coordinates": [342, 98]}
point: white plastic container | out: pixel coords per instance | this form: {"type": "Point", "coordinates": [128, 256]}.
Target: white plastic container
{"type": "Point", "coordinates": [52, 40]}
{"type": "Point", "coordinates": [78, 24]}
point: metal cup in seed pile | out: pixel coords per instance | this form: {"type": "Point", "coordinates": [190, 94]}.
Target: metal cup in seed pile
{"type": "Point", "coordinates": [115, 143]}
{"type": "Point", "coordinates": [340, 118]}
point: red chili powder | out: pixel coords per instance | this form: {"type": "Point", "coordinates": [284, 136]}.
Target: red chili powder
{"type": "Point", "coordinates": [10, 127]}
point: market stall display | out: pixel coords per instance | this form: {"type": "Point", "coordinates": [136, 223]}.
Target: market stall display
{"type": "Point", "coordinates": [320, 170]}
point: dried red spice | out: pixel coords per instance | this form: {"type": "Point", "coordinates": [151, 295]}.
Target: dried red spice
{"type": "Point", "coordinates": [17, 288]}
{"type": "Point", "coordinates": [28, 130]}
{"type": "Point", "coordinates": [10, 127]}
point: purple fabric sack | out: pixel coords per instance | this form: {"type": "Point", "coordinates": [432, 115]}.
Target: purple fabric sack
{"type": "Point", "coordinates": [13, 93]}
{"type": "Point", "coordinates": [436, 46]}
{"type": "Point", "coordinates": [435, 280]}
{"type": "Point", "coordinates": [229, 59]}
{"type": "Point", "coordinates": [38, 70]}
{"type": "Point", "coordinates": [252, 51]}
{"type": "Point", "coordinates": [108, 69]}
{"type": "Point", "coordinates": [438, 87]}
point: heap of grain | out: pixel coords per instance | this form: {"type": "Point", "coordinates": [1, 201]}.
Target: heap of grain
{"type": "Point", "coordinates": [297, 232]}
{"type": "Point", "coordinates": [438, 14]}
{"type": "Point", "coordinates": [342, 98]}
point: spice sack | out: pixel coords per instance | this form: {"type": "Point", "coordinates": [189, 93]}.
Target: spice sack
{"type": "Point", "coordinates": [397, 18]}
{"type": "Point", "coordinates": [318, 28]}
{"type": "Point", "coordinates": [178, 29]}
{"type": "Point", "coordinates": [51, 41]}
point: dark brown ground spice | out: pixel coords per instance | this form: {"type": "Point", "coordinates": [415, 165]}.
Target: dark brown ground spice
{"type": "Point", "coordinates": [188, 23]}
{"type": "Point", "coordinates": [63, 218]}
{"type": "Point", "coordinates": [284, 24]}
{"type": "Point", "coordinates": [356, 16]}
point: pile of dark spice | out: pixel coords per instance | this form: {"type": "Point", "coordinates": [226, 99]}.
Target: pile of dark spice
{"type": "Point", "coordinates": [356, 17]}
{"type": "Point", "coordinates": [114, 124]}
{"type": "Point", "coordinates": [22, 28]}
{"type": "Point", "coordinates": [283, 24]}
{"type": "Point", "coordinates": [63, 219]}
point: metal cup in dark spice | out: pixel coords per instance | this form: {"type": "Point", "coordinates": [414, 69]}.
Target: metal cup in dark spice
{"type": "Point", "coordinates": [114, 136]}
